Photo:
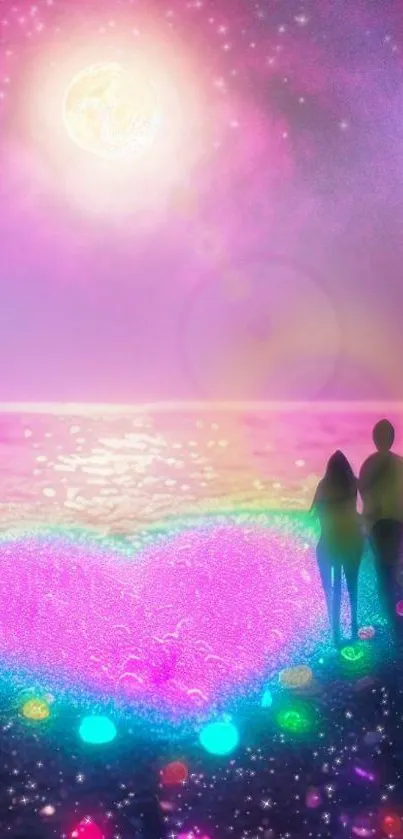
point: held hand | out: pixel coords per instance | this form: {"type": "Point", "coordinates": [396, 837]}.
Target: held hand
{"type": "Point", "coordinates": [364, 525]}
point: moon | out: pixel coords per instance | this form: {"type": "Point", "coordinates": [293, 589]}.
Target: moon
{"type": "Point", "coordinates": [110, 112]}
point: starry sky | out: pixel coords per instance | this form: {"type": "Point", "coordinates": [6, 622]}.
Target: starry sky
{"type": "Point", "coordinates": [253, 253]}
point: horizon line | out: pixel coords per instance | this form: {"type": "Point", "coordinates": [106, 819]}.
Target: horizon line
{"type": "Point", "coordinates": [192, 405]}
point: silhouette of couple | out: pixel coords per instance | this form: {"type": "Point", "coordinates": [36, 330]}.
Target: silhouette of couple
{"type": "Point", "coordinates": [343, 530]}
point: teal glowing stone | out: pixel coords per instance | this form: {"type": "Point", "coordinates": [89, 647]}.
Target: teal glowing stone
{"type": "Point", "coordinates": [219, 738]}
{"type": "Point", "coordinates": [97, 730]}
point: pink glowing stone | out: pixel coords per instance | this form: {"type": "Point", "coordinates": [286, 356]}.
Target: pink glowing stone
{"type": "Point", "coordinates": [363, 826]}
{"type": "Point", "coordinates": [365, 633]}
{"type": "Point", "coordinates": [47, 810]}
{"type": "Point", "coordinates": [399, 608]}
{"type": "Point", "coordinates": [167, 806]}
{"type": "Point", "coordinates": [87, 829]}
{"type": "Point", "coordinates": [313, 798]}
{"type": "Point", "coordinates": [190, 835]}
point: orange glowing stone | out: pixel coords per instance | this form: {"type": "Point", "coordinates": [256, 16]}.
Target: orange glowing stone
{"type": "Point", "coordinates": [296, 677]}
{"type": "Point", "coordinates": [36, 709]}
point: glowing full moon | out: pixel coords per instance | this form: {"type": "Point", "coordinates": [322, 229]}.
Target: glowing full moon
{"type": "Point", "coordinates": [109, 112]}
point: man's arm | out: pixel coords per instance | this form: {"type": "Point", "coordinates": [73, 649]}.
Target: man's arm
{"type": "Point", "coordinates": [367, 487]}
{"type": "Point", "coordinates": [364, 477]}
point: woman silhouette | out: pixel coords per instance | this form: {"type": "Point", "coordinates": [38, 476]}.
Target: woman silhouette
{"type": "Point", "coordinates": [341, 542]}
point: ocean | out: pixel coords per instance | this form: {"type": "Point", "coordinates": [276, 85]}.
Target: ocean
{"type": "Point", "coordinates": [120, 470]}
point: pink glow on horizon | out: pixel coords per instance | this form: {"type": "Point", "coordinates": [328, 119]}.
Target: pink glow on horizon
{"type": "Point", "coordinates": [175, 627]}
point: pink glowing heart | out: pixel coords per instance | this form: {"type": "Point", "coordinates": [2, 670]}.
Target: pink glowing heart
{"type": "Point", "coordinates": [190, 617]}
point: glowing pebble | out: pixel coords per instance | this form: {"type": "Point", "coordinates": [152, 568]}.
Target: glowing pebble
{"type": "Point", "coordinates": [87, 829]}
{"type": "Point", "coordinates": [365, 633]}
{"type": "Point", "coordinates": [356, 659]}
{"type": "Point", "coordinates": [167, 806]}
{"type": "Point", "coordinates": [399, 608]}
{"type": "Point", "coordinates": [313, 798]}
{"type": "Point", "coordinates": [174, 773]}
{"type": "Point", "coordinates": [362, 826]}
{"type": "Point", "coordinates": [352, 653]}
{"type": "Point", "coordinates": [97, 729]}
{"type": "Point", "coordinates": [47, 810]}
{"type": "Point", "coordinates": [267, 699]}
{"type": "Point", "coordinates": [295, 719]}
{"type": "Point", "coordinates": [296, 677]}
{"type": "Point", "coordinates": [219, 738]}
{"type": "Point", "coordinates": [36, 709]}
{"type": "Point", "coordinates": [364, 772]}
{"type": "Point", "coordinates": [190, 835]}
{"type": "Point", "coordinates": [391, 824]}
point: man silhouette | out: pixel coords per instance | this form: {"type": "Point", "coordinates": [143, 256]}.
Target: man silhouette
{"type": "Point", "coordinates": [381, 489]}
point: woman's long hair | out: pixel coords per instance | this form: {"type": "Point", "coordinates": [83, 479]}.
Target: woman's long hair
{"type": "Point", "coordinates": [339, 475]}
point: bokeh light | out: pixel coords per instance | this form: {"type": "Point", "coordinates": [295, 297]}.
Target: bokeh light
{"type": "Point", "coordinates": [296, 677]}
{"type": "Point", "coordinates": [366, 633]}
{"type": "Point", "coordinates": [174, 773]}
{"type": "Point", "coordinates": [363, 826]}
{"type": "Point", "coordinates": [219, 738]}
{"type": "Point", "coordinates": [87, 829]}
{"type": "Point", "coordinates": [47, 810]}
{"type": "Point", "coordinates": [356, 659]}
{"type": "Point", "coordinates": [296, 719]}
{"type": "Point", "coordinates": [36, 709]}
{"type": "Point", "coordinates": [391, 824]}
{"type": "Point", "coordinates": [352, 654]}
{"type": "Point", "coordinates": [97, 729]}
{"type": "Point", "coordinates": [313, 798]}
